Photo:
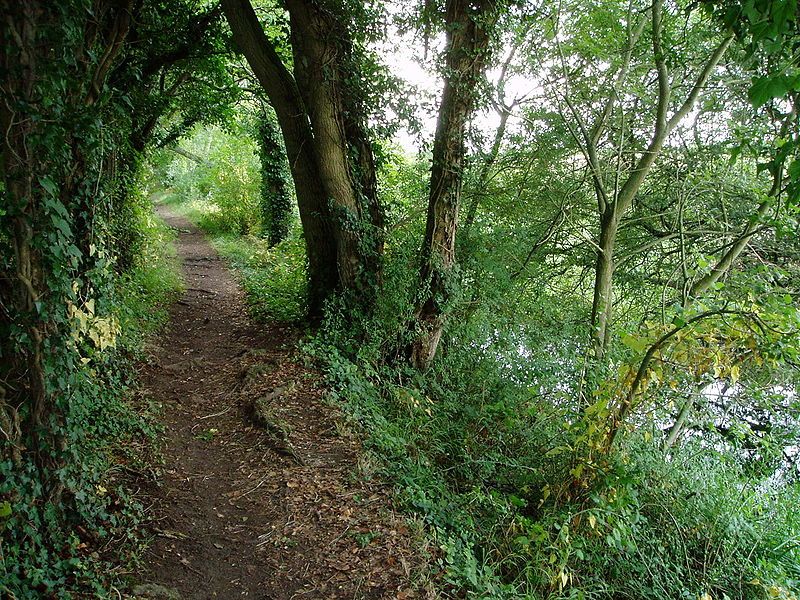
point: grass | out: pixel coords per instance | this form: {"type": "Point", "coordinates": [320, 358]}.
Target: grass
{"type": "Point", "coordinates": [145, 293]}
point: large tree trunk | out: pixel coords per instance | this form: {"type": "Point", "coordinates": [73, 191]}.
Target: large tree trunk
{"type": "Point", "coordinates": [285, 98]}
{"type": "Point", "coordinates": [322, 56]}
{"type": "Point", "coordinates": [467, 43]}
{"type": "Point", "coordinates": [49, 202]}
{"type": "Point", "coordinates": [323, 123]}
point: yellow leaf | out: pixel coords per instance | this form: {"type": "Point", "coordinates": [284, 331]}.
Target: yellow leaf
{"type": "Point", "coordinates": [705, 596]}
{"type": "Point", "coordinates": [545, 492]}
{"type": "Point", "coordinates": [592, 521]}
{"type": "Point", "coordinates": [735, 373]}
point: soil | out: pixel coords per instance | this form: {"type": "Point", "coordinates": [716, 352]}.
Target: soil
{"type": "Point", "coordinates": [261, 494]}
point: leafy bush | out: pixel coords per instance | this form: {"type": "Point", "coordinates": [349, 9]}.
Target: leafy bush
{"type": "Point", "coordinates": [224, 176]}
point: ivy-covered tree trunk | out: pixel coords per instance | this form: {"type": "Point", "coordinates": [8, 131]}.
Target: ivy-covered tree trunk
{"type": "Point", "coordinates": [467, 45]}
{"type": "Point", "coordinates": [22, 392]}
{"type": "Point", "coordinates": [55, 62]}
{"type": "Point", "coordinates": [276, 206]}
{"type": "Point", "coordinates": [24, 401]}
{"type": "Point", "coordinates": [324, 62]}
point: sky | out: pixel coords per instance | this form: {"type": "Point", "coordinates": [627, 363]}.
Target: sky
{"type": "Point", "coordinates": [404, 54]}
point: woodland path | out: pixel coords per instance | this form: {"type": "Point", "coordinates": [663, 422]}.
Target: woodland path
{"type": "Point", "coordinates": [275, 511]}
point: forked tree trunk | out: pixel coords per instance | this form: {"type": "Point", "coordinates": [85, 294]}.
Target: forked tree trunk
{"type": "Point", "coordinates": [467, 43]}
{"type": "Point", "coordinates": [285, 98]}
{"type": "Point", "coordinates": [329, 153]}
{"type": "Point", "coordinates": [614, 208]}
{"type": "Point", "coordinates": [322, 49]}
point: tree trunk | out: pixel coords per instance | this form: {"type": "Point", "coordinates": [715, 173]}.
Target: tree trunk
{"type": "Point", "coordinates": [614, 208]}
{"type": "Point", "coordinates": [285, 98]}
{"type": "Point", "coordinates": [323, 55]}
{"type": "Point", "coordinates": [467, 43]}
{"type": "Point", "coordinates": [276, 204]}
{"type": "Point", "coordinates": [50, 199]}
{"type": "Point", "coordinates": [21, 366]}
{"type": "Point", "coordinates": [603, 300]}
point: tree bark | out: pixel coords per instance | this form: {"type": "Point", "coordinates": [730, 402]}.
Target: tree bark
{"type": "Point", "coordinates": [322, 48]}
{"type": "Point", "coordinates": [467, 44]}
{"type": "Point", "coordinates": [285, 98]}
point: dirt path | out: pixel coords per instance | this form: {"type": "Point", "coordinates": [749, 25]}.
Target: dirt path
{"type": "Point", "coordinates": [273, 510]}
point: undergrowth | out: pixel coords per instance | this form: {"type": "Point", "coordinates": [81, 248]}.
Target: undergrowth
{"type": "Point", "coordinates": [482, 448]}
{"type": "Point", "coordinates": [480, 460]}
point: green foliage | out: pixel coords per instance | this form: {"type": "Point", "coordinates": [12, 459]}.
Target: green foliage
{"type": "Point", "coordinates": [272, 276]}
{"type": "Point", "coordinates": [224, 175]}
{"type": "Point", "coordinates": [488, 465]}
{"type": "Point", "coordinates": [538, 469]}
{"type": "Point", "coordinates": [483, 447]}
{"type": "Point", "coordinates": [106, 432]}
{"type": "Point", "coordinates": [69, 324]}
{"type": "Point", "coordinates": [488, 448]}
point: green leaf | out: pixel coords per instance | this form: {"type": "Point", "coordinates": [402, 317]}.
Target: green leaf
{"type": "Point", "coordinates": [634, 342]}
{"type": "Point", "coordinates": [794, 169]}
{"type": "Point", "coordinates": [49, 186]}
{"type": "Point", "coordinates": [766, 88]}
{"type": "Point", "coordinates": [5, 510]}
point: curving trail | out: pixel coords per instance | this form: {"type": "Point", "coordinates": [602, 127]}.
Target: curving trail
{"type": "Point", "coordinates": [265, 504]}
